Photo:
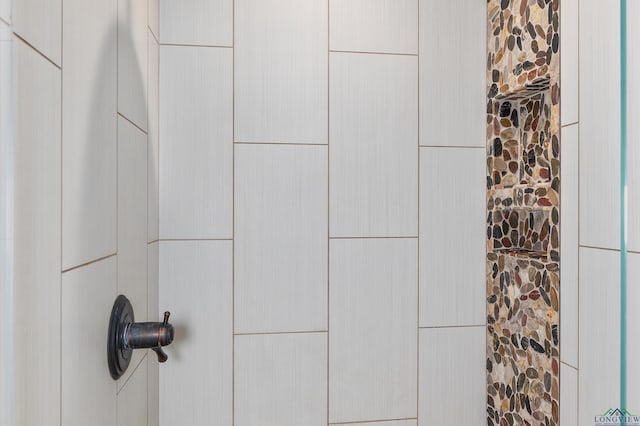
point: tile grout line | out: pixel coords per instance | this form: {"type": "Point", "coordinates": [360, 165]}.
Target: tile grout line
{"type": "Point", "coordinates": [195, 45]}
{"type": "Point", "coordinates": [269, 333]}
{"type": "Point", "coordinates": [372, 421]}
{"type": "Point", "coordinates": [577, 414]}
{"type": "Point", "coordinates": [418, 225]}
{"type": "Point", "coordinates": [91, 262]}
{"type": "Point", "coordinates": [309, 144]}
{"type": "Point", "coordinates": [127, 119]}
{"type": "Point", "coordinates": [328, 202]}
{"type": "Point", "coordinates": [60, 298]}
{"type": "Point", "coordinates": [36, 50]}
{"type": "Point", "coordinates": [373, 53]}
{"type": "Point", "coordinates": [233, 213]}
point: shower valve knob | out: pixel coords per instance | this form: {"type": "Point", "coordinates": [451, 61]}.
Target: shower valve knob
{"type": "Point", "coordinates": [125, 335]}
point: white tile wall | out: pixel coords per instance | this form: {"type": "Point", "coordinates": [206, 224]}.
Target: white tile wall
{"type": "Point", "coordinates": [197, 144]}
{"type": "Point", "coordinates": [89, 157]}
{"type": "Point", "coordinates": [36, 232]}
{"type": "Point", "coordinates": [599, 124]}
{"type": "Point", "coordinates": [387, 26]}
{"type": "Point", "coordinates": [372, 329]}
{"type": "Point", "coordinates": [132, 399]}
{"type": "Point", "coordinates": [196, 22]}
{"type": "Point", "coordinates": [374, 145]}
{"type": "Point", "coordinates": [153, 148]}
{"type": "Point", "coordinates": [195, 285]}
{"type": "Point", "coordinates": [452, 376]}
{"type": "Point", "coordinates": [132, 223]}
{"type": "Point", "coordinates": [569, 395]}
{"type": "Point", "coordinates": [88, 392]}
{"type": "Point", "coordinates": [452, 267]}
{"type": "Point", "coordinates": [452, 72]}
{"type": "Point", "coordinates": [39, 22]}
{"type": "Point", "coordinates": [569, 75]}
{"type": "Point", "coordinates": [280, 238]}
{"type": "Point", "coordinates": [569, 218]}
{"type": "Point", "coordinates": [132, 61]}
{"type": "Point", "coordinates": [5, 10]}
{"type": "Point", "coordinates": [281, 380]}
{"type": "Point", "coordinates": [281, 71]}
{"type": "Point", "coordinates": [599, 332]}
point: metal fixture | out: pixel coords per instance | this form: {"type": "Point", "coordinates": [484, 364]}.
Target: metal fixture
{"type": "Point", "coordinates": [125, 335]}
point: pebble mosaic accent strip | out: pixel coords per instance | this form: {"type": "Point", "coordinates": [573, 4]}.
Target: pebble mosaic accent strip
{"type": "Point", "coordinates": [523, 187]}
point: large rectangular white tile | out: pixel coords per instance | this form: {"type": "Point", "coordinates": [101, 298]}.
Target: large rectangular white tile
{"type": "Point", "coordinates": [280, 238]}
{"type": "Point", "coordinates": [374, 145]}
{"type": "Point", "coordinates": [387, 26]}
{"type": "Point", "coordinates": [39, 22]}
{"type": "Point", "coordinates": [599, 373]}
{"type": "Point", "coordinates": [132, 399]}
{"type": "Point", "coordinates": [196, 22]}
{"type": "Point", "coordinates": [569, 61]}
{"type": "Point", "coordinates": [196, 157]}
{"type": "Point", "coordinates": [373, 329]}
{"type": "Point", "coordinates": [568, 395]}
{"type": "Point", "coordinates": [281, 380]}
{"type": "Point", "coordinates": [89, 126]}
{"type": "Point", "coordinates": [281, 71]}
{"type": "Point", "coordinates": [153, 206]}
{"type": "Point", "coordinates": [599, 124]}
{"type": "Point", "coordinates": [196, 287]}
{"type": "Point", "coordinates": [453, 72]}
{"type": "Point", "coordinates": [633, 127]}
{"type": "Point", "coordinates": [132, 223]}
{"type": "Point", "coordinates": [132, 60]}
{"type": "Point", "coordinates": [452, 235]}
{"type": "Point", "coordinates": [36, 237]}
{"type": "Point", "coordinates": [569, 241]}
{"type": "Point", "coordinates": [153, 264]}
{"type": "Point", "coordinates": [452, 376]}
{"type": "Point", "coordinates": [5, 11]}
{"type": "Point", "coordinates": [88, 391]}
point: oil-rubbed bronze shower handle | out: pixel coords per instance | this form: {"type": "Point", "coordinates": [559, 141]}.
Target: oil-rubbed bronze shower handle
{"type": "Point", "coordinates": [125, 335]}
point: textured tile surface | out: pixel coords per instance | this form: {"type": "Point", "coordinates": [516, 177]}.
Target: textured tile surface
{"type": "Point", "coordinates": [441, 253]}
{"type": "Point", "coordinates": [196, 157]}
{"type": "Point", "coordinates": [153, 148]}
{"type": "Point", "coordinates": [569, 273]}
{"type": "Point", "coordinates": [196, 286]}
{"type": "Point", "coordinates": [196, 22]}
{"type": "Point", "coordinates": [373, 326]}
{"type": "Point", "coordinates": [88, 391]}
{"type": "Point", "coordinates": [280, 238]}
{"type": "Point", "coordinates": [89, 105]}
{"type": "Point", "coordinates": [568, 396]}
{"type": "Point", "coordinates": [132, 223]}
{"type": "Point", "coordinates": [452, 87]}
{"type": "Point", "coordinates": [281, 71]}
{"type": "Point", "coordinates": [132, 60]}
{"type": "Point", "coordinates": [569, 61]}
{"type": "Point", "coordinates": [36, 236]}
{"type": "Point", "coordinates": [39, 22]}
{"type": "Point", "coordinates": [281, 380]}
{"type": "Point", "coordinates": [374, 145]}
{"type": "Point", "coordinates": [599, 322]}
{"type": "Point", "coordinates": [387, 26]}
{"type": "Point", "coordinates": [452, 376]}
{"type": "Point", "coordinates": [599, 121]}
{"type": "Point", "coordinates": [132, 398]}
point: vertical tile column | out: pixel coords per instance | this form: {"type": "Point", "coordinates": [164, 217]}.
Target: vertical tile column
{"type": "Point", "coordinates": [194, 162]}
{"type": "Point", "coordinates": [280, 212]}
{"type": "Point", "coordinates": [452, 211]}
{"type": "Point", "coordinates": [523, 186]}
{"type": "Point", "coordinates": [373, 206]}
